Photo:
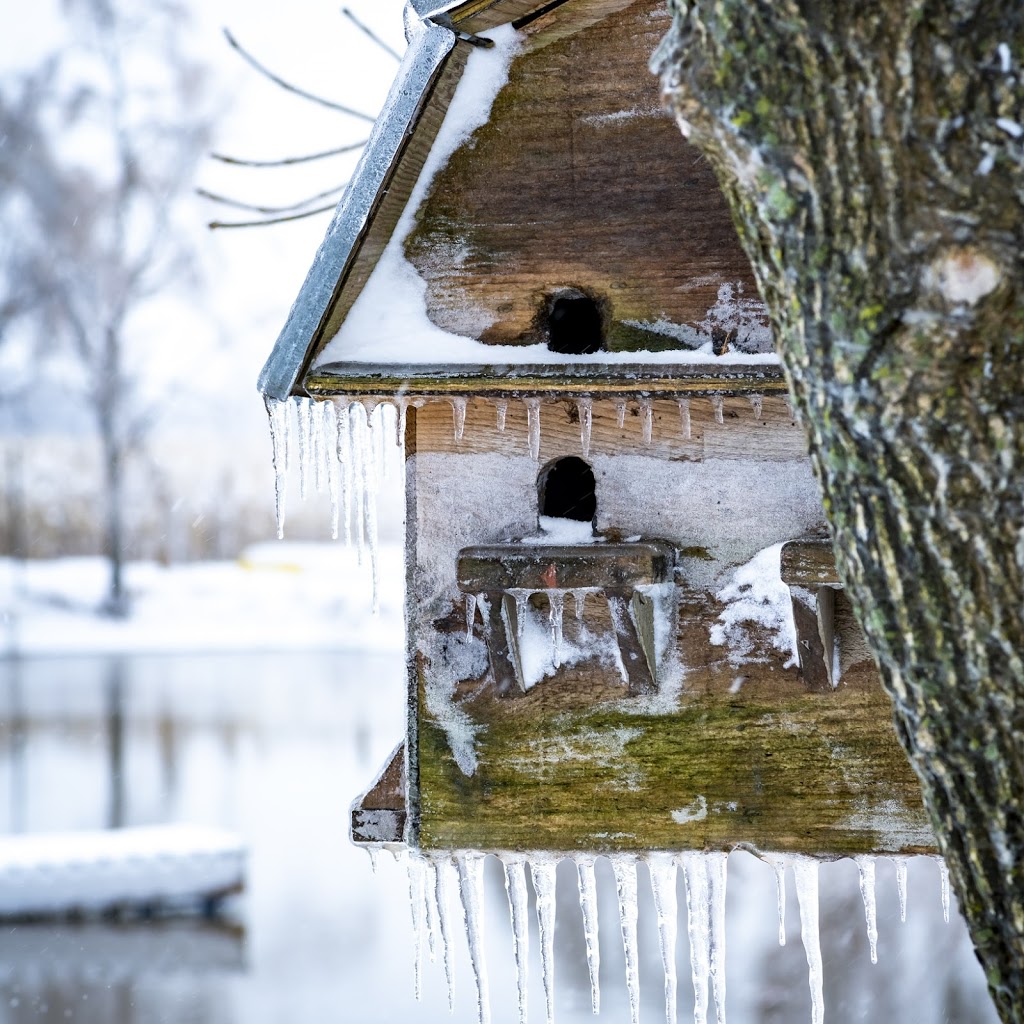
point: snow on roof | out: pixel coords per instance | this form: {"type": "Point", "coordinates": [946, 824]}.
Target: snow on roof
{"type": "Point", "coordinates": [388, 324]}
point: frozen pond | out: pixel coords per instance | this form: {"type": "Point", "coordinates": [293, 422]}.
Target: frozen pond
{"type": "Point", "coordinates": [275, 747]}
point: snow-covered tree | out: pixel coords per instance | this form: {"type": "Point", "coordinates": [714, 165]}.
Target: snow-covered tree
{"type": "Point", "coordinates": [873, 156]}
{"type": "Point", "coordinates": [97, 144]}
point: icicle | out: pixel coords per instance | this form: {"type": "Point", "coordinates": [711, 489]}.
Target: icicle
{"type": "Point", "coordinates": [317, 445]}
{"type": "Point", "coordinates": [471, 886]}
{"type": "Point", "coordinates": [357, 428]}
{"type": "Point", "coordinates": [647, 417]}
{"type": "Point", "coordinates": [579, 598]}
{"type": "Point", "coordinates": [718, 404]}
{"type": "Point", "coordinates": [303, 412]}
{"type": "Point", "coordinates": [684, 417]}
{"type": "Point", "coordinates": [442, 883]}
{"type": "Point", "coordinates": [417, 905]}
{"type": "Point", "coordinates": [588, 904]}
{"type": "Point", "coordinates": [698, 924]}
{"type": "Point", "coordinates": [374, 854]}
{"type": "Point", "coordinates": [717, 876]}
{"type": "Point", "coordinates": [430, 903]}
{"type": "Point", "coordinates": [585, 408]}
{"type": "Point", "coordinates": [866, 868]}
{"type": "Point", "coordinates": [501, 409]}
{"type": "Point", "coordinates": [556, 613]}
{"type": "Point", "coordinates": [458, 417]}
{"type": "Point", "coordinates": [277, 415]}
{"type": "Point", "coordinates": [344, 455]}
{"type": "Point", "coordinates": [329, 454]}
{"type": "Point", "coordinates": [522, 598]}
{"type": "Point", "coordinates": [518, 902]}
{"type": "Point", "coordinates": [543, 875]}
{"type": "Point", "coordinates": [624, 866]}
{"type": "Point", "coordinates": [620, 412]}
{"type": "Point", "coordinates": [662, 868]}
{"type": "Point", "coordinates": [805, 874]}
{"type": "Point", "coordinates": [778, 865]}
{"type": "Point", "coordinates": [533, 425]}
{"type": "Point", "coordinates": [401, 421]}
{"type": "Point", "coordinates": [757, 404]}
{"type": "Point", "coordinates": [901, 885]}
{"type": "Point", "coordinates": [380, 439]}
{"type": "Point", "coordinates": [944, 888]}
{"type": "Point", "coordinates": [470, 614]}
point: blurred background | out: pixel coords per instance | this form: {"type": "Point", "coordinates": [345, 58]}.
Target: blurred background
{"type": "Point", "coordinates": [163, 659]}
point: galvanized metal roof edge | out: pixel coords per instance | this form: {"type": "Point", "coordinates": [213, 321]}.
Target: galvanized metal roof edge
{"type": "Point", "coordinates": [427, 51]}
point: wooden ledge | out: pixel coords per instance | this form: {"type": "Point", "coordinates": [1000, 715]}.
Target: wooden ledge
{"type": "Point", "coordinates": [379, 815]}
{"type": "Point", "coordinates": [562, 379]}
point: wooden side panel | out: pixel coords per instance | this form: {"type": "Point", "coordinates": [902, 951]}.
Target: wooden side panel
{"type": "Point", "coordinates": [734, 752]}
{"type": "Point", "coordinates": [581, 179]}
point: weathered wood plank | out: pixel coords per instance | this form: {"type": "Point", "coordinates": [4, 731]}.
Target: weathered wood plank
{"type": "Point", "coordinates": [626, 379]}
{"type": "Point", "coordinates": [489, 568]}
{"type": "Point", "coordinates": [379, 815]}
{"type": "Point", "coordinates": [784, 770]}
{"type": "Point", "coordinates": [809, 563]}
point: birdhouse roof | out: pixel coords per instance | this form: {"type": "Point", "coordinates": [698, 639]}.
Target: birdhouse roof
{"type": "Point", "coordinates": [401, 299]}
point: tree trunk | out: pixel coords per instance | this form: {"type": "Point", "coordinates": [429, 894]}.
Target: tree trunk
{"type": "Point", "coordinates": [873, 156]}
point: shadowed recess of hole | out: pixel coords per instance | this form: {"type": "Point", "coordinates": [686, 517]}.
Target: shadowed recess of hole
{"type": "Point", "coordinates": [575, 324]}
{"type": "Point", "coordinates": [566, 490]}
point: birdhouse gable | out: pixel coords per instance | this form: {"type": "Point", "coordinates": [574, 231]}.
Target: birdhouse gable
{"type": "Point", "coordinates": [535, 207]}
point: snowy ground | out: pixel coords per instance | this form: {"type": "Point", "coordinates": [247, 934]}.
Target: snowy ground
{"type": "Point", "coordinates": [277, 596]}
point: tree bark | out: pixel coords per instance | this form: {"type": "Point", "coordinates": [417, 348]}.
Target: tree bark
{"type": "Point", "coordinates": [873, 157]}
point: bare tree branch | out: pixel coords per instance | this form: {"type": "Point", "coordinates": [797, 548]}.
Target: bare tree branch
{"type": "Point", "coordinates": [370, 34]}
{"type": "Point", "coordinates": [286, 161]}
{"type": "Point", "coordinates": [215, 224]}
{"type": "Point", "coordinates": [287, 86]}
{"type": "Point", "coordinates": [227, 201]}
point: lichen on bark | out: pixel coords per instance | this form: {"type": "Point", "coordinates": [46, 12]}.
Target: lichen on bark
{"type": "Point", "coordinates": [873, 157]}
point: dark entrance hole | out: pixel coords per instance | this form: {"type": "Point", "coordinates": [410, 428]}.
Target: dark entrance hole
{"type": "Point", "coordinates": [566, 490]}
{"type": "Point", "coordinates": [575, 324]}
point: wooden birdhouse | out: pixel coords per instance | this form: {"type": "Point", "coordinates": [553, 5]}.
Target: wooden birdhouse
{"type": "Point", "coordinates": [625, 630]}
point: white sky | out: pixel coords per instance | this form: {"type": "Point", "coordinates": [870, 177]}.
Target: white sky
{"type": "Point", "coordinates": [254, 274]}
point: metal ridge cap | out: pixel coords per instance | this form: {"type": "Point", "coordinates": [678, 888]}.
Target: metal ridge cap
{"type": "Point", "coordinates": [397, 118]}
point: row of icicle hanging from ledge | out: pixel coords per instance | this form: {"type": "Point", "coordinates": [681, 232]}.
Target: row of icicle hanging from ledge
{"type": "Point", "coordinates": [346, 446]}
{"type": "Point", "coordinates": [433, 876]}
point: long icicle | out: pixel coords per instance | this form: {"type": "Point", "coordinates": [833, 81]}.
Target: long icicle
{"type": "Point", "coordinates": [778, 864]}
{"type": "Point", "coordinates": [944, 888]}
{"type": "Point", "coordinates": [317, 444]}
{"type": "Point", "coordinates": [901, 886]}
{"type": "Point", "coordinates": [866, 870]}
{"type": "Point", "coordinates": [543, 875]}
{"type": "Point", "coordinates": [471, 887]}
{"type": "Point", "coordinates": [805, 875]}
{"type": "Point", "coordinates": [470, 614]}
{"type": "Point", "coordinates": [304, 422]}
{"type": "Point", "coordinates": [591, 935]}
{"type": "Point", "coordinates": [417, 906]}
{"type": "Point", "coordinates": [443, 870]}
{"type": "Point", "coordinates": [328, 445]}
{"type": "Point", "coordinates": [344, 455]}
{"type": "Point", "coordinates": [277, 416]}
{"type": "Point", "coordinates": [624, 866]}
{"type": "Point", "coordinates": [556, 615]}
{"type": "Point", "coordinates": [620, 412]}
{"type": "Point", "coordinates": [662, 868]}
{"type": "Point", "coordinates": [698, 923]}
{"type": "Point", "coordinates": [718, 867]}
{"type": "Point", "coordinates": [500, 412]}
{"type": "Point", "coordinates": [518, 903]}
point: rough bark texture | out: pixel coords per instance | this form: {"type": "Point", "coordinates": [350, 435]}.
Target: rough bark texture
{"type": "Point", "coordinates": [872, 153]}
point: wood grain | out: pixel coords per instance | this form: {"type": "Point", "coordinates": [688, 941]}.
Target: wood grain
{"type": "Point", "coordinates": [579, 179]}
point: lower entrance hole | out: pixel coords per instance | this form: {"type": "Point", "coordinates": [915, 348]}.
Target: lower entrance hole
{"type": "Point", "coordinates": [566, 490]}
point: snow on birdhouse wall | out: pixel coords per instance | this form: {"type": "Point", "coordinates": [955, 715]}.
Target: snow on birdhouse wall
{"type": "Point", "coordinates": [708, 495]}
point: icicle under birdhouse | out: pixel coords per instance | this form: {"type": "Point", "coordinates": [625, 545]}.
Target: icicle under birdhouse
{"type": "Point", "coordinates": [518, 903]}
{"type": "Point", "coordinates": [588, 905]}
{"type": "Point", "coordinates": [805, 875]}
{"type": "Point", "coordinates": [866, 871]}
